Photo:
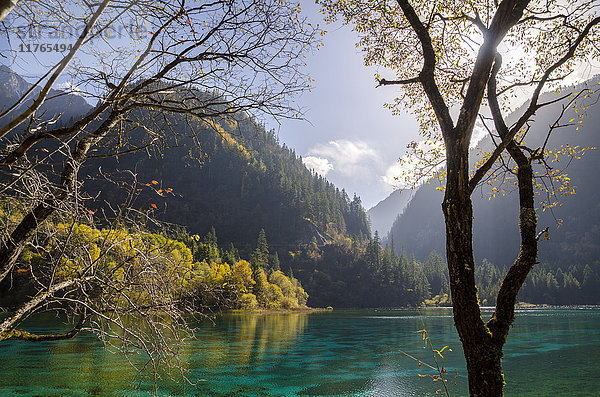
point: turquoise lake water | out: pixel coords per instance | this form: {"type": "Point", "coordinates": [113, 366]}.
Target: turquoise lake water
{"type": "Point", "coordinates": [550, 352]}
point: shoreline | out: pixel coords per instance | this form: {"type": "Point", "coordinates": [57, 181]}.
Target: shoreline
{"type": "Point", "coordinates": [280, 311]}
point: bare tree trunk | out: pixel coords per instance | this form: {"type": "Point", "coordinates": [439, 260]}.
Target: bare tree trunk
{"type": "Point", "coordinates": [8, 324]}
{"type": "Point", "coordinates": [483, 343]}
{"type": "Point", "coordinates": [484, 367]}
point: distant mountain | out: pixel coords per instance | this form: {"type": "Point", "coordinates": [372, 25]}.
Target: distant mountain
{"type": "Point", "coordinates": [13, 87]}
{"type": "Point", "coordinates": [420, 229]}
{"type": "Point", "coordinates": [383, 215]}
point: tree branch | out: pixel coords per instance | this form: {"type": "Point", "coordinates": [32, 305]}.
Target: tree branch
{"type": "Point", "coordinates": [32, 139]}
{"type": "Point", "coordinates": [427, 75]}
{"type": "Point", "coordinates": [508, 13]}
{"type": "Point", "coordinates": [30, 337]}
{"type": "Point", "coordinates": [13, 246]}
{"type": "Point", "coordinates": [505, 307]}
{"type": "Point", "coordinates": [7, 325]}
{"type": "Point", "coordinates": [6, 6]}
{"type": "Point", "coordinates": [398, 82]}
{"type": "Point", "coordinates": [531, 109]}
{"type": "Point", "coordinates": [474, 20]}
{"type": "Point", "coordinates": [59, 69]}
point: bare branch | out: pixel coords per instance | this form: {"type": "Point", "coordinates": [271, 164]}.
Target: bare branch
{"type": "Point", "coordinates": [398, 82]}
{"type": "Point", "coordinates": [15, 318]}
{"type": "Point", "coordinates": [6, 6]}
{"type": "Point", "coordinates": [13, 246]}
{"type": "Point", "coordinates": [57, 72]}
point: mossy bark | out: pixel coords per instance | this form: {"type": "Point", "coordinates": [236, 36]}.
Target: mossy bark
{"type": "Point", "coordinates": [482, 353]}
{"type": "Point", "coordinates": [483, 341]}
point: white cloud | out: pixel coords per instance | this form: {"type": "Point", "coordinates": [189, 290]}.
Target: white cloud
{"type": "Point", "coordinates": [348, 158]}
{"type": "Point", "coordinates": [392, 174]}
{"type": "Point", "coordinates": [319, 165]}
{"type": "Point", "coordinates": [419, 163]}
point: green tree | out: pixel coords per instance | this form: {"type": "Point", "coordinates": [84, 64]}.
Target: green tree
{"type": "Point", "coordinates": [211, 237]}
{"type": "Point", "coordinates": [437, 274]}
{"type": "Point", "coordinates": [589, 284]}
{"type": "Point", "coordinates": [208, 249]}
{"type": "Point", "coordinates": [232, 254]}
{"type": "Point", "coordinates": [276, 266]}
{"type": "Point", "coordinates": [446, 56]}
{"type": "Point", "coordinates": [260, 256]}
{"type": "Point", "coordinates": [261, 286]}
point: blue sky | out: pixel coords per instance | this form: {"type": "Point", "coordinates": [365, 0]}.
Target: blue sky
{"type": "Point", "coordinates": [349, 136]}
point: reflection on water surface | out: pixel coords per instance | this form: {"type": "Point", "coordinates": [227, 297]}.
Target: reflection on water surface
{"type": "Point", "coordinates": [333, 353]}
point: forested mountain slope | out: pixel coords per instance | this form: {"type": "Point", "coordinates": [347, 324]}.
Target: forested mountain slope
{"type": "Point", "coordinates": [236, 177]}
{"type": "Point", "coordinates": [231, 174]}
{"type": "Point", "coordinates": [420, 228]}
{"type": "Point", "coordinates": [228, 177]}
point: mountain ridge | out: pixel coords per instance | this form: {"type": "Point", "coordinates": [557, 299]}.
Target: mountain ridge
{"type": "Point", "coordinates": [13, 87]}
{"type": "Point", "coordinates": [420, 228]}
{"type": "Point", "coordinates": [383, 214]}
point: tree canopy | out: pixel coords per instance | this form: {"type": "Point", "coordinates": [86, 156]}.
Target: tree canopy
{"type": "Point", "coordinates": [459, 63]}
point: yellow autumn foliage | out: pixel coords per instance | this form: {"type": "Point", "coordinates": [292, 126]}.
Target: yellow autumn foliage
{"type": "Point", "coordinates": [145, 266]}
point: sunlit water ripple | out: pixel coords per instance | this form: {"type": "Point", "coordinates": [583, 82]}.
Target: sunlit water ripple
{"type": "Point", "coordinates": [550, 351]}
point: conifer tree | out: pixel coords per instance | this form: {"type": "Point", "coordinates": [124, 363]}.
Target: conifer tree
{"type": "Point", "coordinates": [276, 265]}
{"type": "Point", "coordinates": [260, 257]}
{"type": "Point", "coordinates": [211, 237]}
